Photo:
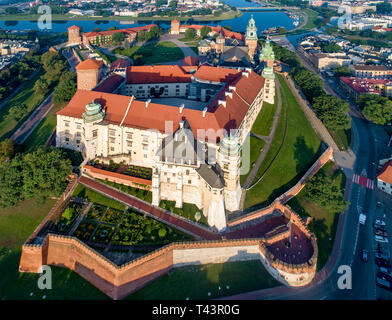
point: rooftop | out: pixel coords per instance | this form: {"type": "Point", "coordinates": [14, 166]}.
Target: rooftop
{"type": "Point", "coordinates": [89, 64]}
{"type": "Point", "coordinates": [386, 173]}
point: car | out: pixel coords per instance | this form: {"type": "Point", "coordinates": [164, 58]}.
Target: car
{"type": "Point", "coordinates": [384, 276]}
{"type": "Point", "coordinates": [379, 222]}
{"type": "Point", "coordinates": [380, 239]}
{"type": "Point", "coordinates": [365, 255]}
{"type": "Point", "coordinates": [384, 284]}
{"type": "Point", "coordinates": [382, 255]}
{"type": "Point", "coordinates": [382, 263]}
{"type": "Point", "coordinates": [380, 228]}
{"type": "Point", "coordinates": [380, 233]}
{"type": "Point", "coordinates": [385, 270]}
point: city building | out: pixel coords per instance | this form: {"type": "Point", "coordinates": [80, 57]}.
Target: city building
{"type": "Point", "coordinates": [356, 86]}
{"type": "Point", "coordinates": [324, 61]}
{"type": "Point", "coordinates": [188, 124]}
{"type": "Point", "coordinates": [384, 179]}
{"type": "Point", "coordinates": [371, 71]}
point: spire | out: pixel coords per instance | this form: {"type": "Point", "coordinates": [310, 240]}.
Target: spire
{"type": "Point", "coordinates": [268, 56]}
{"type": "Point", "coordinates": [251, 30]}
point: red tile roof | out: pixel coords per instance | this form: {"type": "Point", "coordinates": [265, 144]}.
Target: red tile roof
{"type": "Point", "coordinates": [158, 74]}
{"type": "Point", "coordinates": [89, 64]}
{"type": "Point", "coordinates": [120, 63]}
{"type": "Point", "coordinates": [386, 173]}
{"type": "Point", "coordinates": [189, 61]}
{"type": "Point", "coordinates": [363, 85]}
{"type": "Point", "coordinates": [216, 74]}
{"type": "Point", "coordinates": [218, 117]}
{"type": "Point", "coordinates": [109, 84]}
{"type": "Point", "coordinates": [218, 29]}
{"type": "Point", "coordinates": [111, 32]}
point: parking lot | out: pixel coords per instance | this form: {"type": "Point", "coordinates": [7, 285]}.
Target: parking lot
{"type": "Point", "coordinates": [381, 254]}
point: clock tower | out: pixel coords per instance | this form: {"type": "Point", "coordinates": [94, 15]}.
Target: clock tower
{"type": "Point", "coordinates": [251, 37]}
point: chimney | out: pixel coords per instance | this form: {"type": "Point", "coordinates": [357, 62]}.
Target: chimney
{"type": "Point", "coordinates": [222, 102]}
{"type": "Point", "coordinates": [248, 70]}
{"type": "Point", "coordinates": [246, 74]}
{"type": "Point", "coordinates": [232, 88]}
{"type": "Point", "coordinates": [182, 107]}
{"type": "Point", "coordinates": [147, 103]}
{"type": "Point", "coordinates": [229, 94]}
{"type": "Point", "coordinates": [204, 112]}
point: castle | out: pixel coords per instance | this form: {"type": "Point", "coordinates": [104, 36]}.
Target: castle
{"type": "Point", "coordinates": [187, 123]}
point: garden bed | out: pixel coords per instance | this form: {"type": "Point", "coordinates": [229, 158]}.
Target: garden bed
{"type": "Point", "coordinates": [129, 170]}
{"type": "Point", "coordinates": [67, 218]}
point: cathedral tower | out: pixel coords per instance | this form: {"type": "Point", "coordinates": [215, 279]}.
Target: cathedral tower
{"type": "Point", "coordinates": [268, 57]}
{"type": "Point", "coordinates": [251, 38]}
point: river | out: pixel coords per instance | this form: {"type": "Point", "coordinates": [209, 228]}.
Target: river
{"type": "Point", "coordinates": [264, 20]}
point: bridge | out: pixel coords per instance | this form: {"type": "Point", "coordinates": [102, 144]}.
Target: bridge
{"type": "Point", "coordinates": [264, 8]}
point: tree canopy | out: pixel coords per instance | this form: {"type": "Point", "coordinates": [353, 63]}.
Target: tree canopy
{"type": "Point", "coordinates": [190, 33]}
{"type": "Point", "coordinates": [376, 108]}
{"type": "Point", "coordinates": [38, 175]}
{"type": "Point", "coordinates": [332, 112]}
{"type": "Point", "coordinates": [205, 31]}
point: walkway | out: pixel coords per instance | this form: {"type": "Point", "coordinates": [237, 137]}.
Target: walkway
{"type": "Point", "coordinates": [33, 120]}
{"type": "Point", "coordinates": [157, 213]}
{"type": "Point", "coordinates": [268, 140]}
{"type": "Point", "coordinates": [184, 47]}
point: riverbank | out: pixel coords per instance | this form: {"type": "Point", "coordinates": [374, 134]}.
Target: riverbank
{"type": "Point", "coordinates": [58, 17]}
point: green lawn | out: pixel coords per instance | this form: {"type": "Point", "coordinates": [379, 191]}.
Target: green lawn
{"type": "Point", "coordinates": [83, 192]}
{"type": "Point", "coordinates": [194, 282]}
{"type": "Point", "coordinates": [312, 17]}
{"type": "Point", "coordinates": [264, 120]}
{"type": "Point", "coordinates": [342, 138]}
{"type": "Point", "coordinates": [286, 161]}
{"type": "Point", "coordinates": [27, 96]}
{"type": "Point", "coordinates": [158, 52]}
{"type": "Point", "coordinates": [324, 223]}
{"type": "Point", "coordinates": [188, 210]}
{"type": "Point", "coordinates": [139, 193]}
{"type": "Point", "coordinates": [16, 225]}
{"type": "Point", "coordinates": [256, 145]}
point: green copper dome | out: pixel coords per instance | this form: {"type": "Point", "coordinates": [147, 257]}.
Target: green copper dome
{"type": "Point", "coordinates": [93, 112]}
{"type": "Point", "coordinates": [267, 53]}
{"type": "Point", "coordinates": [230, 146]}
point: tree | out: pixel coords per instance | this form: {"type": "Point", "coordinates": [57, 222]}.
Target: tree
{"type": "Point", "coordinates": [190, 33]}
{"type": "Point", "coordinates": [66, 88]}
{"type": "Point", "coordinates": [332, 47]}
{"type": "Point", "coordinates": [44, 173]}
{"type": "Point", "coordinates": [173, 4]}
{"type": "Point", "coordinates": [384, 7]}
{"type": "Point", "coordinates": [11, 180]}
{"type": "Point", "coordinates": [376, 108]}
{"type": "Point", "coordinates": [325, 193]}
{"type": "Point", "coordinates": [6, 149]}
{"type": "Point", "coordinates": [11, 10]}
{"type": "Point", "coordinates": [18, 111]}
{"type": "Point", "coordinates": [41, 87]}
{"type": "Point", "coordinates": [118, 37]}
{"type": "Point", "coordinates": [342, 71]}
{"type": "Point", "coordinates": [162, 232]}
{"type": "Point", "coordinates": [332, 112]}
{"type": "Point", "coordinates": [205, 31]}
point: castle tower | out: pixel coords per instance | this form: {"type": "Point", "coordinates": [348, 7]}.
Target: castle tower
{"type": "Point", "coordinates": [267, 56]}
{"type": "Point", "coordinates": [74, 36]}
{"type": "Point", "coordinates": [220, 42]}
{"type": "Point", "coordinates": [251, 37]}
{"type": "Point", "coordinates": [89, 74]}
{"type": "Point", "coordinates": [228, 157]}
{"type": "Point", "coordinates": [93, 113]}
{"type": "Point", "coordinates": [175, 27]}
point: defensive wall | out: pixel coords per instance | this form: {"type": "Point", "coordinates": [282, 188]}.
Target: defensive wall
{"type": "Point", "coordinates": [119, 281]}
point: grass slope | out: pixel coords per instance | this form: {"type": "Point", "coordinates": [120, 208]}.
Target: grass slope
{"type": "Point", "coordinates": [299, 150]}
{"type": "Point", "coordinates": [196, 281]}
{"type": "Point", "coordinates": [324, 223]}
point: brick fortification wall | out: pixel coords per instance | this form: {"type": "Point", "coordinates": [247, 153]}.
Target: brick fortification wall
{"type": "Point", "coordinates": [119, 281]}
{"type": "Point", "coordinates": [117, 178]}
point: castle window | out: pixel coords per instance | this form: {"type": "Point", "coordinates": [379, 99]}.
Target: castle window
{"type": "Point", "coordinates": [112, 140]}
{"type": "Point", "coordinates": [66, 124]}
{"type": "Point", "coordinates": [78, 134]}
{"type": "Point", "coordinates": [187, 172]}
{"type": "Point", "coordinates": [189, 181]}
{"type": "Point", "coordinates": [78, 126]}
{"type": "Point", "coordinates": [78, 141]}
{"type": "Point", "coordinates": [95, 133]}
{"type": "Point", "coordinates": [66, 131]}
{"type": "Point", "coordinates": [112, 133]}
{"type": "Point", "coordinates": [168, 180]}
{"type": "Point", "coordinates": [66, 139]}
{"type": "Point", "coordinates": [129, 143]}
{"type": "Point", "coordinates": [129, 135]}
{"type": "Point", "coordinates": [111, 148]}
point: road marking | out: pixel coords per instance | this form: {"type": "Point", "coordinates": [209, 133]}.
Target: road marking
{"type": "Point", "coordinates": [363, 181]}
